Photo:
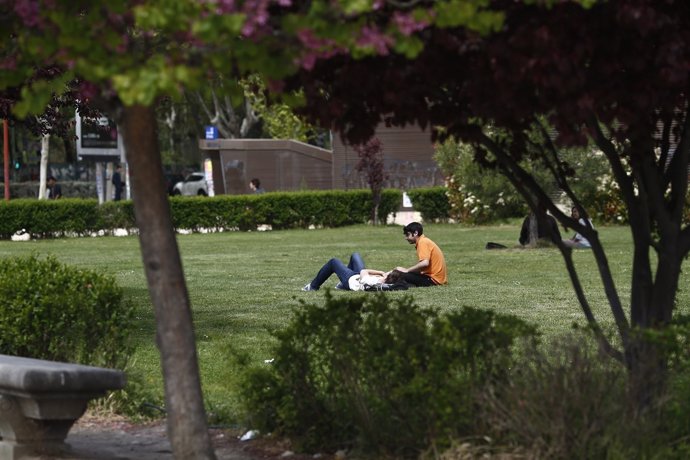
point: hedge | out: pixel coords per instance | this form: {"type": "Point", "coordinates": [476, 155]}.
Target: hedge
{"type": "Point", "coordinates": [432, 203]}
{"type": "Point", "coordinates": [280, 210]}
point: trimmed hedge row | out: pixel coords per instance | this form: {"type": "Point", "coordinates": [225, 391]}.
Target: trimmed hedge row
{"type": "Point", "coordinates": [431, 202]}
{"type": "Point", "coordinates": [280, 210]}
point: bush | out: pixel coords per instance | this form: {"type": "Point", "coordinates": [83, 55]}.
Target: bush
{"type": "Point", "coordinates": [564, 403]}
{"type": "Point", "coordinates": [281, 210]}
{"type": "Point", "coordinates": [432, 203]}
{"type": "Point", "coordinates": [379, 374]}
{"type": "Point", "coordinates": [476, 194]}
{"type": "Point", "coordinates": [52, 311]}
{"type": "Point", "coordinates": [568, 401]}
{"type": "Point", "coordinates": [479, 194]}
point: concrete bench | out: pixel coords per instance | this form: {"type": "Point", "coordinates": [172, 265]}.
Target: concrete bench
{"type": "Point", "coordinates": [40, 401]}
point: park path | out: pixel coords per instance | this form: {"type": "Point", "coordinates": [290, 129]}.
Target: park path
{"type": "Point", "coordinates": [115, 438]}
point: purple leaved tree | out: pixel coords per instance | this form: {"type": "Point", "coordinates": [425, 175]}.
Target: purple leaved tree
{"type": "Point", "coordinates": [371, 164]}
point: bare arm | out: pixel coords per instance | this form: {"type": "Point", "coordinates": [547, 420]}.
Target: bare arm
{"type": "Point", "coordinates": [369, 271]}
{"type": "Point", "coordinates": [416, 268]}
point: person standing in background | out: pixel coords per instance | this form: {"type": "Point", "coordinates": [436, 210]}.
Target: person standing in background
{"type": "Point", "coordinates": [53, 188]}
{"type": "Point", "coordinates": [255, 186]}
{"type": "Point", "coordinates": [118, 183]}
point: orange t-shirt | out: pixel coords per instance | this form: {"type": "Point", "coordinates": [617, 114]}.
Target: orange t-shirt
{"type": "Point", "coordinates": [427, 249]}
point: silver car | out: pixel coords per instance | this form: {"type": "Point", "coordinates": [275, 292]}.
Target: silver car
{"type": "Point", "coordinates": [194, 184]}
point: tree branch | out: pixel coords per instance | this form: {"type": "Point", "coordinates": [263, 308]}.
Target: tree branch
{"type": "Point", "coordinates": [640, 225]}
{"type": "Point", "coordinates": [591, 320]}
{"type": "Point", "coordinates": [678, 171]}
{"type": "Point", "coordinates": [530, 189]}
{"type": "Point", "coordinates": [665, 143]}
{"type": "Point", "coordinates": [651, 190]}
{"type": "Point", "coordinates": [684, 242]}
{"type": "Point", "coordinates": [211, 117]}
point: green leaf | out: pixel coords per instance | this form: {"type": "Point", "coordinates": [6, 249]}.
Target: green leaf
{"type": "Point", "coordinates": [410, 46]}
{"type": "Point", "coordinates": [467, 13]}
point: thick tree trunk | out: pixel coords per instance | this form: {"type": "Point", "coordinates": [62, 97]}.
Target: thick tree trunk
{"type": "Point", "coordinates": [187, 427]}
{"type": "Point", "coordinates": [652, 304]}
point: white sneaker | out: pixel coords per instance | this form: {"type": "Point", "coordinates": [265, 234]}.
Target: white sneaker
{"type": "Point", "coordinates": [307, 287]}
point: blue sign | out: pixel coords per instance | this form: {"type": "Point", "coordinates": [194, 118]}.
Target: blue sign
{"type": "Point", "coordinates": [211, 132]}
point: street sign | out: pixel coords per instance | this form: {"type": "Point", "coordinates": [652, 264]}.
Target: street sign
{"type": "Point", "coordinates": [99, 140]}
{"type": "Point", "coordinates": [211, 132]}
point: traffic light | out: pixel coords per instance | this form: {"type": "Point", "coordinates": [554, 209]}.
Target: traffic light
{"type": "Point", "coordinates": [17, 164]}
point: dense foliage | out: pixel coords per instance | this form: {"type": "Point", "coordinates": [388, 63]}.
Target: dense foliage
{"type": "Point", "coordinates": [432, 203]}
{"type": "Point", "coordinates": [480, 193]}
{"type": "Point", "coordinates": [566, 400]}
{"type": "Point", "coordinates": [52, 311]}
{"type": "Point", "coordinates": [476, 194]}
{"type": "Point", "coordinates": [280, 210]}
{"type": "Point", "coordinates": [380, 374]}
{"type": "Point", "coordinates": [553, 75]}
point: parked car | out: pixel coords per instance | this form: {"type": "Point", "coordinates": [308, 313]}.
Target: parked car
{"type": "Point", "coordinates": [194, 184]}
{"type": "Point", "coordinates": [171, 179]}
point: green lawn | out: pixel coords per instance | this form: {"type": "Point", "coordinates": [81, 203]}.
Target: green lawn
{"type": "Point", "coordinates": [241, 284]}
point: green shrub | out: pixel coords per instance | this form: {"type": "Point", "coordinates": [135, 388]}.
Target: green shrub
{"type": "Point", "coordinates": [570, 401]}
{"type": "Point", "coordinates": [379, 374]}
{"type": "Point", "coordinates": [117, 214]}
{"type": "Point", "coordinates": [672, 423]}
{"type": "Point", "coordinates": [52, 311]}
{"type": "Point", "coordinates": [281, 210]}
{"type": "Point", "coordinates": [479, 194]}
{"type": "Point", "coordinates": [432, 203]}
{"type": "Point", "coordinates": [476, 194]}
{"type": "Point", "coordinates": [562, 401]}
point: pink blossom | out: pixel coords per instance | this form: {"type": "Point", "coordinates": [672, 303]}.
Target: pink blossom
{"type": "Point", "coordinates": [370, 36]}
{"type": "Point", "coordinates": [313, 42]}
{"type": "Point", "coordinates": [307, 61]}
{"type": "Point", "coordinates": [226, 6]}
{"type": "Point", "coordinates": [407, 24]}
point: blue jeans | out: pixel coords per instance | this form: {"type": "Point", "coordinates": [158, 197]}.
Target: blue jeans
{"type": "Point", "coordinates": [343, 272]}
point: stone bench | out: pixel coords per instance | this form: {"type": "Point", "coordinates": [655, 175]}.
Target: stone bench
{"type": "Point", "coordinates": [40, 401]}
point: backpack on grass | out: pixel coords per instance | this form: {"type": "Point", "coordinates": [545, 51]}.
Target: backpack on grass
{"type": "Point", "coordinates": [399, 286]}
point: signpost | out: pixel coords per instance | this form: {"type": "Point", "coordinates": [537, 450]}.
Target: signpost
{"type": "Point", "coordinates": [99, 141]}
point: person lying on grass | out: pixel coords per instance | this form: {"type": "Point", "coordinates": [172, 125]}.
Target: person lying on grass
{"type": "Point", "coordinates": [353, 276]}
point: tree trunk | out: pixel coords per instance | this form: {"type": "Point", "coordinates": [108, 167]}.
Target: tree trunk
{"type": "Point", "coordinates": [108, 185]}
{"type": "Point", "coordinates": [533, 230]}
{"type": "Point", "coordinates": [647, 371]}
{"type": "Point", "coordinates": [187, 427]}
{"type": "Point", "coordinates": [43, 168]}
{"type": "Point", "coordinates": [376, 201]}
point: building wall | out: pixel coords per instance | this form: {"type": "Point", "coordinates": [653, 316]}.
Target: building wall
{"type": "Point", "coordinates": [280, 165]}
{"type": "Point", "coordinates": [408, 160]}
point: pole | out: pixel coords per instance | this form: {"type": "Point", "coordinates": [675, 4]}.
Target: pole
{"type": "Point", "coordinates": [6, 157]}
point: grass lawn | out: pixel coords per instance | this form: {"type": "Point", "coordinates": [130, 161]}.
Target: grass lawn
{"type": "Point", "coordinates": [242, 284]}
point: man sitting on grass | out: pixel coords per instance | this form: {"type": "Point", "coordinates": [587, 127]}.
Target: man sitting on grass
{"type": "Point", "coordinates": [430, 270]}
